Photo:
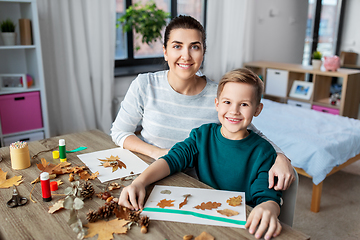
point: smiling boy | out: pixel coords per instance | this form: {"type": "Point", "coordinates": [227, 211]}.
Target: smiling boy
{"type": "Point", "coordinates": [226, 156]}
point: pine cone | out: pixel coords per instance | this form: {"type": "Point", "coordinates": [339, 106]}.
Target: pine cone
{"type": "Point", "coordinates": [87, 190]}
{"type": "Point", "coordinates": [144, 221]}
{"type": "Point", "coordinates": [134, 216]}
{"type": "Point", "coordinates": [92, 216]}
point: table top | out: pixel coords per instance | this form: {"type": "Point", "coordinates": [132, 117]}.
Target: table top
{"type": "Point", "coordinates": [33, 221]}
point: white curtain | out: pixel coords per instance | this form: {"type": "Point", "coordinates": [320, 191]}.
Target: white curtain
{"type": "Point", "coordinates": [229, 36]}
{"type": "Point", "coordinates": [78, 47]}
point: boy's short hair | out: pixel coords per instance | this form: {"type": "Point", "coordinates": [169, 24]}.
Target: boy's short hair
{"type": "Point", "coordinates": [243, 75]}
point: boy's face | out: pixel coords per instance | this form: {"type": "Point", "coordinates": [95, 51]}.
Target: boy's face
{"type": "Point", "coordinates": [236, 106]}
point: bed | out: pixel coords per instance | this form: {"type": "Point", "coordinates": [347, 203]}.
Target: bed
{"type": "Point", "coordinates": [318, 144]}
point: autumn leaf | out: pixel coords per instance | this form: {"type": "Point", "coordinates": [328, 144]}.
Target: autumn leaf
{"type": "Point", "coordinates": [84, 175]}
{"type": "Point", "coordinates": [111, 159]}
{"type": "Point", "coordinates": [228, 212]}
{"type": "Point", "coordinates": [57, 206]}
{"type": "Point", "coordinates": [45, 166]}
{"type": "Point", "coordinates": [165, 203]}
{"type": "Point", "coordinates": [121, 164]}
{"type": "Point", "coordinates": [204, 236]}
{"type": "Point", "coordinates": [105, 229]}
{"type": "Point", "coordinates": [165, 192]}
{"type": "Point", "coordinates": [208, 205]}
{"type": "Point", "coordinates": [122, 212]}
{"type": "Point", "coordinates": [16, 180]}
{"type": "Point", "coordinates": [59, 182]}
{"type": "Point", "coordinates": [185, 201]}
{"type": "Point", "coordinates": [234, 201]}
{"type": "Point", "coordinates": [114, 186]}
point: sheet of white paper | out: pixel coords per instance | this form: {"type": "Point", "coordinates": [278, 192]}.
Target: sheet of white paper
{"type": "Point", "coordinates": [133, 163]}
{"type": "Point", "coordinates": [189, 214]}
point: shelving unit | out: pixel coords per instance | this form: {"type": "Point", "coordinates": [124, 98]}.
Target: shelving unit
{"type": "Point", "coordinates": [322, 79]}
{"type": "Point", "coordinates": [24, 124]}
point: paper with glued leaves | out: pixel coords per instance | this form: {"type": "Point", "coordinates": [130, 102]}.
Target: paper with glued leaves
{"type": "Point", "coordinates": [188, 213]}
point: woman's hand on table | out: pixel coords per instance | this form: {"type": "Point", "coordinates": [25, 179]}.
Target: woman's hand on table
{"type": "Point", "coordinates": [159, 153]}
{"type": "Point", "coordinates": [283, 170]}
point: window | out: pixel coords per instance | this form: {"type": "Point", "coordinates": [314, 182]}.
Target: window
{"type": "Point", "coordinates": [323, 30]}
{"type": "Point", "coordinates": [125, 53]}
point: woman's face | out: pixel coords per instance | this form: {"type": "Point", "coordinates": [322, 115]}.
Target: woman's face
{"type": "Point", "coordinates": [184, 53]}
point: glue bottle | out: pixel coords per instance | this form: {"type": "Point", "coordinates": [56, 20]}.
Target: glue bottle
{"type": "Point", "coordinates": [45, 186]}
{"type": "Point", "coordinates": [62, 150]}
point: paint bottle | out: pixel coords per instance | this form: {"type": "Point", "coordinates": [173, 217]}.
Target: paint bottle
{"type": "Point", "coordinates": [62, 150]}
{"type": "Point", "coordinates": [45, 186]}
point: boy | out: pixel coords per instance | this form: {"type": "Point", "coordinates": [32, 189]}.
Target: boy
{"type": "Point", "coordinates": [227, 156]}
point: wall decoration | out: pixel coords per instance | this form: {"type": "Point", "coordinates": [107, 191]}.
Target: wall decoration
{"type": "Point", "coordinates": [301, 89]}
{"type": "Point", "coordinates": [12, 82]}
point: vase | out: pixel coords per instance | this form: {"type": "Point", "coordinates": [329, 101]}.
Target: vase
{"type": "Point", "coordinates": [316, 63]}
{"type": "Point", "coordinates": [9, 38]}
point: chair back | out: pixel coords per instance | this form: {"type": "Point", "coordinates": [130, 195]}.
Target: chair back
{"type": "Point", "coordinates": [289, 201]}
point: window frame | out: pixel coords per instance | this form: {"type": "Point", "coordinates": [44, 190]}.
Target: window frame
{"type": "Point", "coordinates": [130, 60]}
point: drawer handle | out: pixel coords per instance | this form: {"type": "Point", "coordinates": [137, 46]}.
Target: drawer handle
{"type": "Point", "coordinates": [19, 98]}
{"type": "Point", "coordinates": [24, 139]}
{"type": "Point", "coordinates": [298, 105]}
{"type": "Point", "coordinates": [323, 110]}
{"type": "Point", "coordinates": [277, 73]}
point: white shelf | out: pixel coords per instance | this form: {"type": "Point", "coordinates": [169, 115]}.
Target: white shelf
{"type": "Point", "coordinates": [24, 59]}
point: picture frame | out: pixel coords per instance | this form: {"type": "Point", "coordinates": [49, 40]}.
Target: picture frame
{"type": "Point", "coordinates": [301, 89]}
{"type": "Point", "coordinates": [11, 82]}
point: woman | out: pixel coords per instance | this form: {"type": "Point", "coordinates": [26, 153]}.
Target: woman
{"type": "Point", "coordinates": [169, 104]}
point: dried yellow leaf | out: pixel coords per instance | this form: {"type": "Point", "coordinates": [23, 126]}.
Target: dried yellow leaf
{"type": "Point", "coordinates": [234, 201]}
{"type": "Point", "coordinates": [16, 180]}
{"type": "Point", "coordinates": [57, 206]}
{"type": "Point", "coordinates": [228, 212]}
{"type": "Point", "coordinates": [106, 229]}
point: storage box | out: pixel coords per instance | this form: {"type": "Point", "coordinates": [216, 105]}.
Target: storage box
{"type": "Point", "coordinates": [24, 137]}
{"type": "Point", "coordinates": [326, 109]}
{"type": "Point", "coordinates": [276, 82]}
{"type": "Point", "coordinates": [20, 112]}
{"type": "Point", "coordinates": [299, 104]}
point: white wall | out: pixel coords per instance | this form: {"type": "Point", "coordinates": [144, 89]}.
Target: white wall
{"type": "Point", "coordinates": [279, 30]}
{"type": "Point", "coordinates": [350, 33]}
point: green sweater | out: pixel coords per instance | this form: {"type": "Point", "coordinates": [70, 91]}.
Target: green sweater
{"type": "Point", "coordinates": [234, 165]}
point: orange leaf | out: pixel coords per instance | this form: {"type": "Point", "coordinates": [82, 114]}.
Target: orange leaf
{"type": "Point", "coordinates": [208, 205]}
{"type": "Point", "coordinates": [106, 164]}
{"type": "Point", "coordinates": [234, 201]}
{"type": "Point", "coordinates": [122, 212]}
{"type": "Point", "coordinates": [121, 164]}
{"type": "Point", "coordinates": [228, 212]}
{"type": "Point", "coordinates": [165, 203]}
{"type": "Point", "coordinates": [16, 180]}
{"type": "Point", "coordinates": [105, 229]}
{"type": "Point", "coordinates": [45, 166]}
{"type": "Point", "coordinates": [204, 236]}
{"type": "Point", "coordinates": [185, 201]}
{"type": "Point", "coordinates": [57, 206]}
{"type": "Point", "coordinates": [110, 159]}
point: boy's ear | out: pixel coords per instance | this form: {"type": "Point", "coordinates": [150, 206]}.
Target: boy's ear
{"type": "Point", "coordinates": [216, 104]}
{"type": "Point", "coordinates": [165, 53]}
{"type": "Point", "coordinates": [258, 109]}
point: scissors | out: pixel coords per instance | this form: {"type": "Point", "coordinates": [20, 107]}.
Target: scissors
{"type": "Point", "coordinates": [16, 199]}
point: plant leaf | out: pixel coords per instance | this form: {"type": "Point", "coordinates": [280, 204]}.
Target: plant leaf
{"type": "Point", "coordinates": [78, 204]}
{"type": "Point", "coordinates": [105, 229]}
{"type": "Point", "coordinates": [165, 203]}
{"type": "Point", "coordinates": [68, 203]}
{"type": "Point", "coordinates": [209, 205]}
{"type": "Point", "coordinates": [57, 206]}
{"type": "Point", "coordinates": [73, 217]}
{"type": "Point", "coordinates": [16, 180]}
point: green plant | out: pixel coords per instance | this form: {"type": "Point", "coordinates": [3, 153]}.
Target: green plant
{"type": "Point", "coordinates": [317, 55]}
{"type": "Point", "coordinates": [146, 20]}
{"type": "Point", "coordinates": [7, 26]}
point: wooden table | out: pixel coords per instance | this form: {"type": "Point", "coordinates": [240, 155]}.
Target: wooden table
{"type": "Point", "coordinates": [33, 221]}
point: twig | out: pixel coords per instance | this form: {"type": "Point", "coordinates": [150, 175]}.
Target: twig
{"type": "Point", "coordinates": [44, 151]}
{"type": "Point", "coordinates": [31, 193]}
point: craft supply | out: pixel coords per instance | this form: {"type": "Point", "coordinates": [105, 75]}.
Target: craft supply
{"type": "Point", "coordinates": [55, 154]}
{"type": "Point", "coordinates": [62, 150]}
{"type": "Point", "coordinates": [20, 156]}
{"type": "Point", "coordinates": [16, 199]}
{"type": "Point", "coordinates": [45, 186]}
{"type": "Point", "coordinates": [53, 186]}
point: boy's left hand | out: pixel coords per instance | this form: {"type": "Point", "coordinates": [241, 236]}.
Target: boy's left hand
{"type": "Point", "coordinates": [264, 217]}
{"type": "Point", "coordinates": [283, 170]}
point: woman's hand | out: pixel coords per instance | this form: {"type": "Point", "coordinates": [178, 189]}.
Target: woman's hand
{"type": "Point", "coordinates": [283, 170]}
{"type": "Point", "coordinates": [133, 196]}
{"type": "Point", "coordinates": [264, 217]}
{"type": "Point", "coordinates": [158, 153]}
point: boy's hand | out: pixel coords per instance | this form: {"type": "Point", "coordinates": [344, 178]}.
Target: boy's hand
{"type": "Point", "coordinates": [133, 196]}
{"type": "Point", "coordinates": [264, 216]}
{"type": "Point", "coordinates": [283, 170]}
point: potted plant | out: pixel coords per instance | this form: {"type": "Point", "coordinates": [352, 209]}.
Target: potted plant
{"type": "Point", "coordinates": [8, 32]}
{"type": "Point", "coordinates": [147, 20]}
{"type": "Point", "coordinates": [316, 60]}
